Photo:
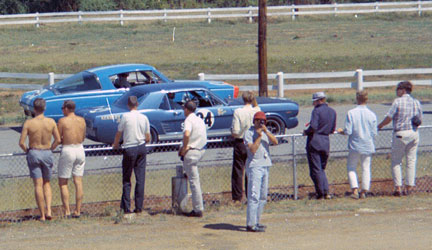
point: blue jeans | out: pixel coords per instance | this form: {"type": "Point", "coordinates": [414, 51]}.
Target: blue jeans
{"type": "Point", "coordinates": [257, 193]}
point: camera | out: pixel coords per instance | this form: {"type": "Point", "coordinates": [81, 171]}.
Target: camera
{"type": "Point", "coordinates": [262, 122]}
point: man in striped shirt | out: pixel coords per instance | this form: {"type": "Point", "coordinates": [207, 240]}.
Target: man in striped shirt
{"type": "Point", "coordinates": [405, 136]}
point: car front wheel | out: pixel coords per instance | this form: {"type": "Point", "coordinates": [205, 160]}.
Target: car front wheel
{"type": "Point", "coordinates": [275, 126]}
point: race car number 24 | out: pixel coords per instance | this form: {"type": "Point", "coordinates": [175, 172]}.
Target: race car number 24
{"type": "Point", "coordinates": [207, 116]}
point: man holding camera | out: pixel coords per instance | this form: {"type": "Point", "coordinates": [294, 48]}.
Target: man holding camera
{"type": "Point", "coordinates": [257, 140]}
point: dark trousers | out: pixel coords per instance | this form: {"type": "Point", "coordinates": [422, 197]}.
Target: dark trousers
{"type": "Point", "coordinates": [317, 164]}
{"type": "Point", "coordinates": [134, 159]}
{"type": "Point", "coordinates": [238, 169]}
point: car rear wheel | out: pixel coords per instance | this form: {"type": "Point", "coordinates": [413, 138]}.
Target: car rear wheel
{"type": "Point", "coordinates": [154, 136]}
{"type": "Point", "coordinates": [275, 125]}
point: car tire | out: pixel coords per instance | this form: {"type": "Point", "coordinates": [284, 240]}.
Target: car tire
{"type": "Point", "coordinates": [275, 125]}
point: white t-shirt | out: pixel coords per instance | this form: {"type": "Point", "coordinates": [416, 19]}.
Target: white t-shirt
{"type": "Point", "coordinates": [243, 119]}
{"type": "Point", "coordinates": [134, 126]}
{"type": "Point", "coordinates": [198, 131]}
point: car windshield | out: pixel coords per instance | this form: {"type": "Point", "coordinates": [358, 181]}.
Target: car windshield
{"type": "Point", "coordinates": [83, 81]}
{"type": "Point", "coordinates": [123, 100]}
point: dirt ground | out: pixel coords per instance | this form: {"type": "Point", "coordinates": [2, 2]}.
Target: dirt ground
{"type": "Point", "coordinates": [374, 223]}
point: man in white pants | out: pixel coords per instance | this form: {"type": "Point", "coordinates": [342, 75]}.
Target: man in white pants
{"type": "Point", "coordinates": [72, 157]}
{"type": "Point", "coordinates": [405, 136]}
{"type": "Point", "coordinates": [192, 150]}
{"type": "Point", "coordinates": [361, 126]}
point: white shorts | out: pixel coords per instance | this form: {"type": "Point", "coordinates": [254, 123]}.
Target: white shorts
{"type": "Point", "coordinates": [72, 161]}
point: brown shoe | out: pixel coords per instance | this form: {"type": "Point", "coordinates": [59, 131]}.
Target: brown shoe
{"type": "Point", "coordinates": [354, 196]}
{"type": "Point", "coordinates": [198, 214]}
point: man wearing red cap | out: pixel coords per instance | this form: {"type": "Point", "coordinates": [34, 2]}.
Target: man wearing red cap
{"type": "Point", "coordinates": [257, 140]}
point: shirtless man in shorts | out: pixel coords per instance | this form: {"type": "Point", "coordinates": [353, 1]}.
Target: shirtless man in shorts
{"type": "Point", "coordinates": [40, 130]}
{"type": "Point", "coordinates": [72, 157]}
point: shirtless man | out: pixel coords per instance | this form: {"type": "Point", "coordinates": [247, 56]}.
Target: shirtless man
{"type": "Point", "coordinates": [39, 130]}
{"type": "Point", "coordinates": [72, 157]}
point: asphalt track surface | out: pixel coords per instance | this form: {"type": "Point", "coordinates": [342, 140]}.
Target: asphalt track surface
{"type": "Point", "coordinates": [165, 160]}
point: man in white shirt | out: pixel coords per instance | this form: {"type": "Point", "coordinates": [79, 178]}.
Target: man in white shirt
{"type": "Point", "coordinates": [242, 121]}
{"type": "Point", "coordinates": [192, 150]}
{"type": "Point", "coordinates": [361, 126]}
{"type": "Point", "coordinates": [135, 128]}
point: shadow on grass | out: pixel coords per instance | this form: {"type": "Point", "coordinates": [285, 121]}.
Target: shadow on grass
{"type": "Point", "coordinates": [225, 226]}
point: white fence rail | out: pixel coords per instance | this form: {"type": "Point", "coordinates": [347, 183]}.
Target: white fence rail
{"type": "Point", "coordinates": [282, 79]}
{"type": "Point", "coordinates": [215, 13]}
{"type": "Point", "coordinates": [358, 82]}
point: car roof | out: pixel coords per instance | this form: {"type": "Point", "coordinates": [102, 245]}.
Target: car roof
{"type": "Point", "coordinates": [168, 87]}
{"type": "Point", "coordinates": [119, 68]}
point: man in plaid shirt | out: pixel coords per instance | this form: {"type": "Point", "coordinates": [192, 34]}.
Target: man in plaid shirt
{"type": "Point", "coordinates": [405, 136]}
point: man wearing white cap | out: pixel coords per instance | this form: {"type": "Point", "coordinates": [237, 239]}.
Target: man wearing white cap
{"type": "Point", "coordinates": [322, 123]}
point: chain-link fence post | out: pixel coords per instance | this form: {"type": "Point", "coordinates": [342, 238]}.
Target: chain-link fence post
{"type": "Point", "coordinates": [294, 164]}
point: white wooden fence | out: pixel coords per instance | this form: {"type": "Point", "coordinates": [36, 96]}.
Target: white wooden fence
{"type": "Point", "coordinates": [215, 13]}
{"type": "Point", "coordinates": [282, 79]}
{"type": "Point", "coordinates": [358, 81]}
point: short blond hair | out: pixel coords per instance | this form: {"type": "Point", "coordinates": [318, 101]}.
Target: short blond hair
{"type": "Point", "coordinates": [248, 97]}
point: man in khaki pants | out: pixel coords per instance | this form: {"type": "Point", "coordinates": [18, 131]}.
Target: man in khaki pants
{"type": "Point", "coordinates": [192, 150]}
{"type": "Point", "coordinates": [405, 136]}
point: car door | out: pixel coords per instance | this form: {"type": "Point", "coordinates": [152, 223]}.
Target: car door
{"type": "Point", "coordinates": [216, 115]}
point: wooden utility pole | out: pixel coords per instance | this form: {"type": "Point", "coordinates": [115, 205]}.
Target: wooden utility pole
{"type": "Point", "coordinates": [262, 48]}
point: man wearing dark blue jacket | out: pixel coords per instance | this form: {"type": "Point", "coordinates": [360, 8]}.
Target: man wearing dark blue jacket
{"type": "Point", "coordinates": [322, 123]}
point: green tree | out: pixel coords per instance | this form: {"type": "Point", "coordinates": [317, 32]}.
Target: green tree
{"type": "Point", "coordinates": [12, 7]}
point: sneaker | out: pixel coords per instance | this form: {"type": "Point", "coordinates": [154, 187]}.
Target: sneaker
{"type": "Point", "coordinates": [328, 197]}
{"type": "Point", "coordinates": [194, 214]}
{"type": "Point", "coordinates": [354, 196]}
{"type": "Point", "coordinates": [261, 226]}
{"type": "Point", "coordinates": [397, 194]}
{"type": "Point", "coordinates": [255, 229]}
{"type": "Point", "coordinates": [363, 195]}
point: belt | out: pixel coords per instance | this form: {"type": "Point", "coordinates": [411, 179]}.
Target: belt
{"type": "Point", "coordinates": [199, 149]}
{"type": "Point", "coordinates": [39, 149]}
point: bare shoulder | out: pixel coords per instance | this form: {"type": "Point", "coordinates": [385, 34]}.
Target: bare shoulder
{"type": "Point", "coordinates": [62, 120]}
{"type": "Point", "coordinates": [50, 121]}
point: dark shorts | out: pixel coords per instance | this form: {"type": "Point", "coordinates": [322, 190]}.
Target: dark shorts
{"type": "Point", "coordinates": [40, 163]}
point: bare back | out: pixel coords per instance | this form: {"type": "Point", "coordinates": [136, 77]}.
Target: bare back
{"type": "Point", "coordinates": [72, 129]}
{"type": "Point", "coordinates": [40, 131]}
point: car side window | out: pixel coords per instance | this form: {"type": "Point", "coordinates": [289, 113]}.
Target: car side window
{"type": "Point", "coordinates": [80, 82]}
{"type": "Point", "coordinates": [177, 99]}
{"type": "Point", "coordinates": [164, 104]}
{"type": "Point", "coordinates": [200, 98]}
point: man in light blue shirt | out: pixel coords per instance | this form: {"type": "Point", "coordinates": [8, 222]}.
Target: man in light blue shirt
{"type": "Point", "coordinates": [361, 126]}
{"type": "Point", "coordinates": [257, 140]}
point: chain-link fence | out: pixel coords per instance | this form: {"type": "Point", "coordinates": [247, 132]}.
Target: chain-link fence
{"type": "Point", "coordinates": [289, 175]}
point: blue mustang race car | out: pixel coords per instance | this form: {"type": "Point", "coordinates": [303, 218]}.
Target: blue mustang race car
{"type": "Point", "coordinates": [101, 86]}
{"type": "Point", "coordinates": [162, 104]}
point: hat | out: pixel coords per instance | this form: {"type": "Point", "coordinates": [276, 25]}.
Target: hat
{"type": "Point", "coordinates": [318, 96]}
{"type": "Point", "coordinates": [260, 116]}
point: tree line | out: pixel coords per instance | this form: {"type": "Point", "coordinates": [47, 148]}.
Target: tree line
{"type": "Point", "coordinates": [32, 6]}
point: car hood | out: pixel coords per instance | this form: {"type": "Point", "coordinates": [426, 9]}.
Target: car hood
{"type": "Point", "coordinates": [28, 97]}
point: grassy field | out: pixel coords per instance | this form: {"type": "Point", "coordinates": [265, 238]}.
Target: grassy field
{"type": "Point", "coordinates": [309, 44]}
